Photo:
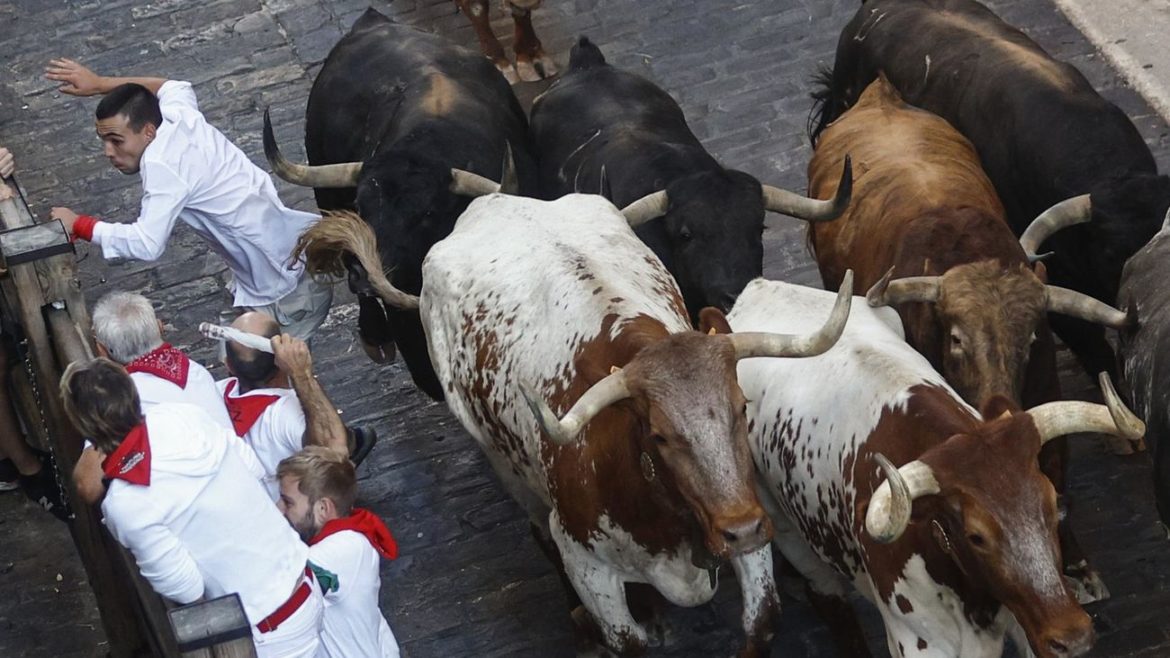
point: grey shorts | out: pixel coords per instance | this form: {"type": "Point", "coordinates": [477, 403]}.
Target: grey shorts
{"type": "Point", "coordinates": [304, 309]}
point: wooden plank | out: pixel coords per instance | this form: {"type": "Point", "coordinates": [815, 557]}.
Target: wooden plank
{"type": "Point", "coordinates": [121, 619]}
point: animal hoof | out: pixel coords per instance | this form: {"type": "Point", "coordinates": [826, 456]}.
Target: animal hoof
{"type": "Point", "coordinates": [379, 353]}
{"type": "Point", "coordinates": [509, 72]}
{"type": "Point", "coordinates": [1085, 583]}
{"type": "Point", "coordinates": [538, 68]}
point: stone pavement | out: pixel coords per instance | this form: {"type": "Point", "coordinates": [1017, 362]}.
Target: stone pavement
{"type": "Point", "coordinates": [470, 582]}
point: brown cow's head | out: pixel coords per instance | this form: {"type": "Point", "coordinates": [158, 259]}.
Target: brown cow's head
{"type": "Point", "coordinates": [684, 390]}
{"type": "Point", "coordinates": [991, 510]}
{"type": "Point", "coordinates": [988, 315]}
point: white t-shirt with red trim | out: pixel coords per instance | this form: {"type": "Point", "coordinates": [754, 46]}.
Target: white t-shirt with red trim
{"type": "Point", "coordinates": [277, 432]}
{"type": "Point", "coordinates": [204, 525]}
{"type": "Point", "coordinates": [353, 624]}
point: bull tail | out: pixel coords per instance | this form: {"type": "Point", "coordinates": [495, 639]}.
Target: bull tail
{"type": "Point", "coordinates": [827, 104]}
{"type": "Point", "coordinates": [324, 247]}
{"type": "Point", "coordinates": [585, 55]}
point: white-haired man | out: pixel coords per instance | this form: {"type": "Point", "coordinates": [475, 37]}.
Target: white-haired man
{"type": "Point", "coordinates": [128, 332]}
{"type": "Point", "coordinates": [185, 498]}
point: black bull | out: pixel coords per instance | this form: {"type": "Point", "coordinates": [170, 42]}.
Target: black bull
{"type": "Point", "coordinates": [1145, 354]}
{"type": "Point", "coordinates": [598, 122]}
{"type": "Point", "coordinates": [394, 110]}
{"type": "Point", "coordinates": [1042, 132]}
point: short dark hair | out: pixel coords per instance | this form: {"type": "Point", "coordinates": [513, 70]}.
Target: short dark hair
{"type": "Point", "coordinates": [252, 367]}
{"type": "Point", "coordinates": [133, 100]}
{"type": "Point", "coordinates": [101, 400]}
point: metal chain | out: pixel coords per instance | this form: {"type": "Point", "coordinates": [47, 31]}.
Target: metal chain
{"type": "Point", "coordinates": [36, 390]}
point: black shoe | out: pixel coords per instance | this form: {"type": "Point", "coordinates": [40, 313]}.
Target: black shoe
{"type": "Point", "coordinates": [42, 488]}
{"type": "Point", "coordinates": [9, 476]}
{"type": "Point", "coordinates": [364, 439]}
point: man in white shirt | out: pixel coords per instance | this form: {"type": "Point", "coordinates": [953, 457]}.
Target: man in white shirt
{"type": "Point", "coordinates": [317, 492]}
{"type": "Point", "coordinates": [185, 498]}
{"type": "Point", "coordinates": [128, 332]}
{"type": "Point", "coordinates": [190, 171]}
{"type": "Point", "coordinates": [276, 403]}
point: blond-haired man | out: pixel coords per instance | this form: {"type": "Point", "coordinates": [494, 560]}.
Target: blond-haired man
{"type": "Point", "coordinates": [346, 543]}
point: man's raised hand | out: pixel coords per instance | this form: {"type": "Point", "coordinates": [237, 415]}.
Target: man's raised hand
{"type": "Point", "coordinates": [79, 80]}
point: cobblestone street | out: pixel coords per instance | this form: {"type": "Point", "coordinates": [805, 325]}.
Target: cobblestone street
{"type": "Point", "coordinates": [470, 581]}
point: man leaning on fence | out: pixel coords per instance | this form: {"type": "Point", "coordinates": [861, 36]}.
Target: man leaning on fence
{"type": "Point", "coordinates": [185, 498]}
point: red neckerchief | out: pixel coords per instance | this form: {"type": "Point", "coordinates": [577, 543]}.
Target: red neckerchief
{"type": "Point", "coordinates": [245, 410]}
{"type": "Point", "coordinates": [164, 362]}
{"type": "Point", "coordinates": [367, 523]}
{"type": "Point", "coordinates": [131, 461]}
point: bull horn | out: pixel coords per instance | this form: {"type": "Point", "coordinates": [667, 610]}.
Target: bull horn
{"type": "Point", "coordinates": [890, 506]}
{"type": "Point", "coordinates": [604, 187]}
{"type": "Point", "coordinates": [465, 183]}
{"type": "Point", "coordinates": [1080, 305]}
{"type": "Point", "coordinates": [651, 206]}
{"type": "Point", "coordinates": [753, 344]}
{"type": "Point", "coordinates": [563, 431]}
{"type": "Point", "coordinates": [1055, 419]}
{"type": "Point", "coordinates": [812, 210]}
{"type": "Point", "coordinates": [902, 291]}
{"type": "Point", "coordinates": [337, 233]}
{"type": "Point", "coordinates": [1077, 210]}
{"type": "Point", "coordinates": [343, 174]}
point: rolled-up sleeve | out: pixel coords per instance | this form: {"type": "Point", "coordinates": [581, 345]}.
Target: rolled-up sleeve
{"type": "Point", "coordinates": [165, 197]}
{"type": "Point", "coordinates": [163, 560]}
{"type": "Point", "coordinates": [177, 93]}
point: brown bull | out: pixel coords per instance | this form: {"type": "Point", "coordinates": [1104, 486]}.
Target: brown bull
{"type": "Point", "coordinates": [926, 233]}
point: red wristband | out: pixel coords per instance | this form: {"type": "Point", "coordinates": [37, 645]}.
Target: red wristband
{"type": "Point", "coordinates": [83, 228]}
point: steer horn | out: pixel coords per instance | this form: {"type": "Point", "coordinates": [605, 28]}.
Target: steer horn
{"type": "Point", "coordinates": [466, 183]}
{"type": "Point", "coordinates": [563, 431]}
{"type": "Point", "coordinates": [323, 243]}
{"type": "Point", "coordinates": [753, 344]}
{"type": "Point", "coordinates": [1055, 419]}
{"type": "Point", "coordinates": [651, 206]}
{"type": "Point", "coordinates": [901, 291]}
{"type": "Point", "coordinates": [332, 175]}
{"type": "Point", "coordinates": [808, 209]}
{"type": "Point", "coordinates": [890, 506]}
{"type": "Point", "coordinates": [1080, 305]}
{"type": "Point", "coordinates": [1069, 212]}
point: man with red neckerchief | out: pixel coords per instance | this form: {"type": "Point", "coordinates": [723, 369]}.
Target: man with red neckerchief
{"type": "Point", "coordinates": [185, 498]}
{"type": "Point", "coordinates": [346, 544]}
{"type": "Point", "coordinates": [128, 332]}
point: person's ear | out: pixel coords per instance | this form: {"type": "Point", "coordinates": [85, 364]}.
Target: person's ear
{"type": "Point", "coordinates": [149, 130]}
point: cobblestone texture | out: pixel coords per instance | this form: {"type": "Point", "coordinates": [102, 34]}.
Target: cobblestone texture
{"type": "Point", "coordinates": [470, 581]}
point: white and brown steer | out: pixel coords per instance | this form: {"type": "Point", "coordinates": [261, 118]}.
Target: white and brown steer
{"type": "Point", "coordinates": [538, 309]}
{"type": "Point", "coordinates": [955, 545]}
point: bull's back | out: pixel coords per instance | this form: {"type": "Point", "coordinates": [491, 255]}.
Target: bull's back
{"type": "Point", "coordinates": [516, 292]}
{"type": "Point", "coordinates": [907, 163]}
{"type": "Point", "coordinates": [604, 116]}
{"type": "Point", "coordinates": [1000, 90]}
{"type": "Point", "coordinates": [809, 418]}
{"type": "Point", "coordinates": [382, 79]}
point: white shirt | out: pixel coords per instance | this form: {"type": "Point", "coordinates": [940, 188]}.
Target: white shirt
{"type": "Point", "coordinates": [204, 526]}
{"type": "Point", "coordinates": [190, 171]}
{"type": "Point", "coordinates": [278, 433]}
{"type": "Point", "coordinates": [353, 625]}
{"type": "Point", "coordinates": [200, 391]}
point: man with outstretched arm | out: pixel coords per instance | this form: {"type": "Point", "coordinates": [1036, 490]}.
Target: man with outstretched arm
{"type": "Point", "coordinates": [191, 172]}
